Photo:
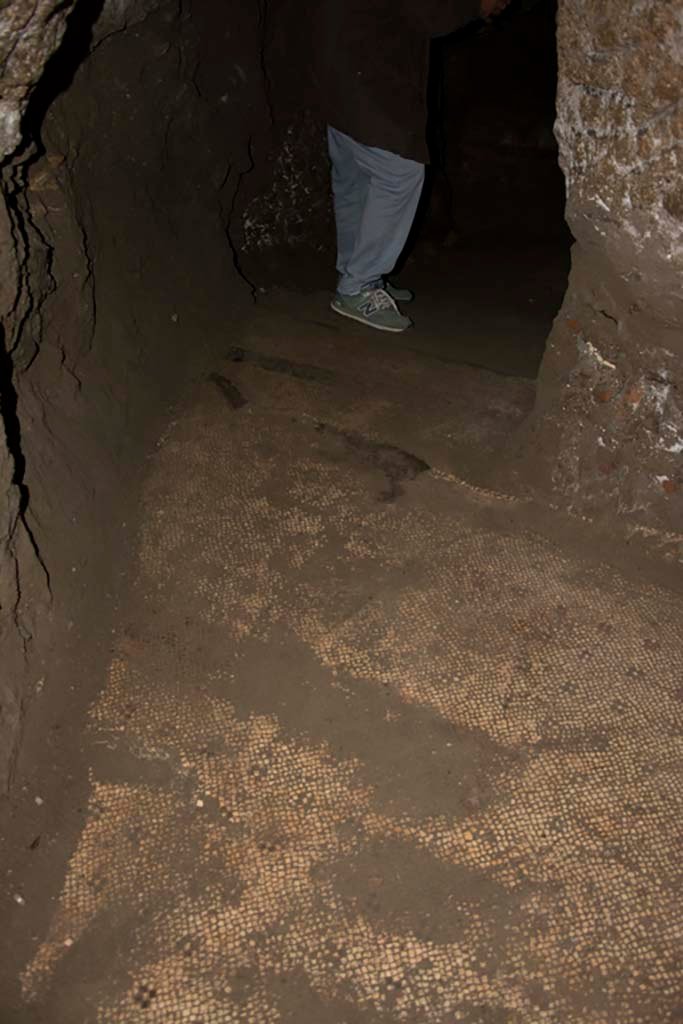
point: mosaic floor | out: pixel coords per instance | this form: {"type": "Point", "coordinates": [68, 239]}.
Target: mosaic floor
{"type": "Point", "coordinates": [369, 749]}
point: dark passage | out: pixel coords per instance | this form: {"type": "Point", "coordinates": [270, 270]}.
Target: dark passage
{"type": "Point", "coordinates": [489, 254]}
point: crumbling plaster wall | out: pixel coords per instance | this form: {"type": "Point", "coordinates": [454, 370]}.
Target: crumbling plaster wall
{"type": "Point", "coordinates": [606, 437]}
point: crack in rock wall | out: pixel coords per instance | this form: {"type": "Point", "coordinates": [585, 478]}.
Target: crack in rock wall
{"type": "Point", "coordinates": [29, 35]}
{"type": "Point", "coordinates": [606, 438]}
{"type": "Point", "coordinates": [119, 279]}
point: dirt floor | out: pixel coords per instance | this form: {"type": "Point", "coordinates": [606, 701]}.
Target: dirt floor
{"type": "Point", "coordinates": [375, 743]}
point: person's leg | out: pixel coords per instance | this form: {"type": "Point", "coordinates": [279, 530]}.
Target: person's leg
{"type": "Point", "coordinates": [349, 189]}
{"type": "Point", "coordinates": [391, 200]}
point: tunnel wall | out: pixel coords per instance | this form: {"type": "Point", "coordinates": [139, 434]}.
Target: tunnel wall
{"type": "Point", "coordinates": [121, 173]}
{"type": "Point", "coordinates": [606, 438]}
{"type": "Point", "coordinates": [286, 203]}
{"type": "Point", "coordinates": [29, 34]}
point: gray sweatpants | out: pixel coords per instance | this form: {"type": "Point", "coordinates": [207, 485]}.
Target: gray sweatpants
{"type": "Point", "coordinates": [375, 200]}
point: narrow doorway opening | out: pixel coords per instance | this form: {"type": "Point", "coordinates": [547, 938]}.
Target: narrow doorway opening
{"type": "Point", "coordinates": [490, 253]}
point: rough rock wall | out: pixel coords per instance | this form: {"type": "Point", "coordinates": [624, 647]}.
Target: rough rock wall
{"type": "Point", "coordinates": [606, 438]}
{"type": "Point", "coordinates": [29, 34]}
{"type": "Point", "coordinates": [118, 278]}
{"type": "Point", "coordinates": [286, 203]}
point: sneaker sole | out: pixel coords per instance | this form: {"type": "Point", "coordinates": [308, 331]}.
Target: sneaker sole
{"type": "Point", "coordinates": [363, 320]}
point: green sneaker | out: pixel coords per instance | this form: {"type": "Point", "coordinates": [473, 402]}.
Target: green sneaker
{"type": "Point", "coordinates": [374, 308]}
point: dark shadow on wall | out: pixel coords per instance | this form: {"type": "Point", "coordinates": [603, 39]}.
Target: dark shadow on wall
{"type": "Point", "coordinates": [10, 421]}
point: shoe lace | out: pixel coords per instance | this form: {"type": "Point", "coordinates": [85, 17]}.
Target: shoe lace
{"type": "Point", "coordinates": [376, 300]}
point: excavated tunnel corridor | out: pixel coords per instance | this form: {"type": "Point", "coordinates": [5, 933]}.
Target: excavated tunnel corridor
{"type": "Point", "coordinates": [352, 698]}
